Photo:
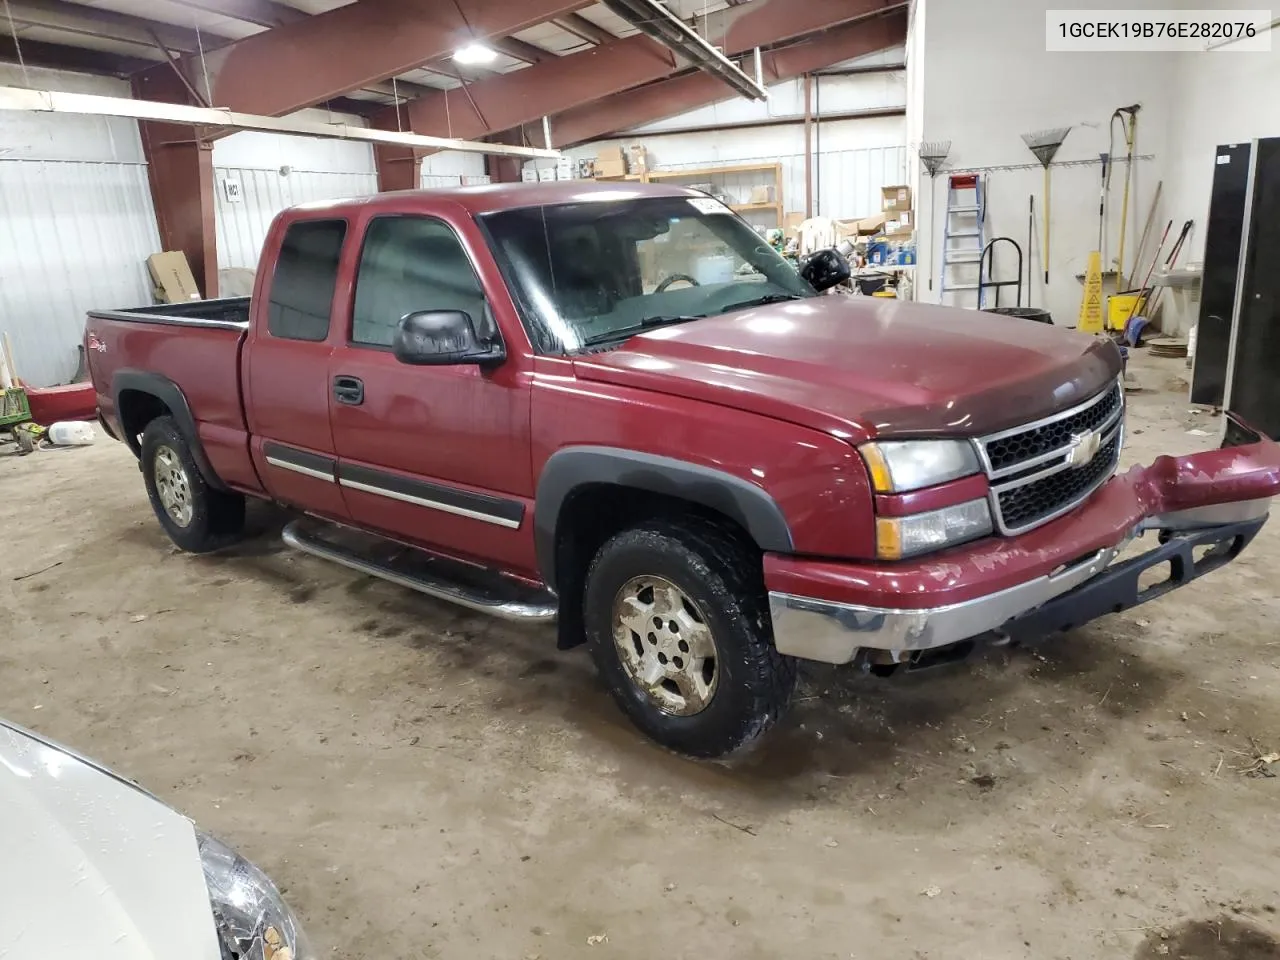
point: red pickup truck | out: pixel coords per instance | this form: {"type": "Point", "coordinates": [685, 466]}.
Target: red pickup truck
{"type": "Point", "coordinates": [616, 405]}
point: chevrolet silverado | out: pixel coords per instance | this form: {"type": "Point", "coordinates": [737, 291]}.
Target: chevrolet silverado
{"type": "Point", "coordinates": [616, 406]}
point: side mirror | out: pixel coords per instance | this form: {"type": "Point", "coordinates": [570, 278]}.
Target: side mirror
{"type": "Point", "coordinates": [825, 269]}
{"type": "Point", "coordinates": [442, 337]}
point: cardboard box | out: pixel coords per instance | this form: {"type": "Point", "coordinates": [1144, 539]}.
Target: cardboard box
{"type": "Point", "coordinates": [895, 198]}
{"type": "Point", "coordinates": [171, 277]}
{"type": "Point", "coordinates": [870, 226]}
{"type": "Point", "coordinates": [546, 173]}
{"type": "Point", "coordinates": [846, 229]}
{"type": "Point", "coordinates": [791, 223]}
{"type": "Point", "coordinates": [611, 162]}
{"type": "Point", "coordinates": [761, 193]}
{"type": "Point", "coordinates": [529, 174]}
{"type": "Point", "coordinates": [903, 226]}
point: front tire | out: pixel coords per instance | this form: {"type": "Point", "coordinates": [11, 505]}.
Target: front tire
{"type": "Point", "coordinates": [196, 517]}
{"type": "Point", "coordinates": [676, 617]}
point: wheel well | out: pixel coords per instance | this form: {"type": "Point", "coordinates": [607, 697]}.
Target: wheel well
{"type": "Point", "coordinates": [593, 513]}
{"type": "Point", "coordinates": [136, 409]}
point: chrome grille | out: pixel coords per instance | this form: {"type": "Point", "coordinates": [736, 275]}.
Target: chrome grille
{"type": "Point", "coordinates": [1032, 468]}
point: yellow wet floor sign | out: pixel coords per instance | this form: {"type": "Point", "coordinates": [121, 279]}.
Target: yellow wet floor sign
{"type": "Point", "coordinates": [1090, 320]}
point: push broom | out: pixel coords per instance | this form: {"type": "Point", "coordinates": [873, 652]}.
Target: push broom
{"type": "Point", "coordinates": [1044, 144]}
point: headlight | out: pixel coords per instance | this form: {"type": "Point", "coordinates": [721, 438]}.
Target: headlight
{"type": "Point", "coordinates": [897, 466]}
{"type": "Point", "coordinates": [252, 919]}
{"type": "Point", "coordinates": [898, 537]}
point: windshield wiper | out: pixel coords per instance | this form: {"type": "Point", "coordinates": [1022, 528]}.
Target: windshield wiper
{"type": "Point", "coordinates": [648, 323]}
{"type": "Point", "coordinates": [761, 301]}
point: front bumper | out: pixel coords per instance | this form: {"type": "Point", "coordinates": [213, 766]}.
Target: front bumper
{"type": "Point", "coordinates": [835, 632]}
{"type": "Point", "coordinates": [1206, 506]}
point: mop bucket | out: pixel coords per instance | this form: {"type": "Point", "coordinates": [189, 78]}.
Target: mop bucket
{"type": "Point", "coordinates": [1122, 306]}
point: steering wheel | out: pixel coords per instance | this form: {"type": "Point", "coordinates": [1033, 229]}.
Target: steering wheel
{"type": "Point", "coordinates": [662, 287]}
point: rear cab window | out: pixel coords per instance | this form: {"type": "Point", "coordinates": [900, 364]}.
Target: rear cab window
{"type": "Point", "coordinates": [301, 296]}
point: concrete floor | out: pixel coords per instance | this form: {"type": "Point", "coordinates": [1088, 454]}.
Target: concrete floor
{"type": "Point", "coordinates": [427, 784]}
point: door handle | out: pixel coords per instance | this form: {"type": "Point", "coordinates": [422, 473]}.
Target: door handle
{"type": "Point", "coordinates": [348, 390]}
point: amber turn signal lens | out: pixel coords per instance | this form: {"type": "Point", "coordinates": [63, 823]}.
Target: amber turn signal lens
{"type": "Point", "coordinates": [881, 478]}
{"type": "Point", "coordinates": [910, 536]}
{"type": "Point", "coordinates": [888, 539]}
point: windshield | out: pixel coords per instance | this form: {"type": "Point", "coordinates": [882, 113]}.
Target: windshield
{"type": "Point", "coordinates": [596, 272]}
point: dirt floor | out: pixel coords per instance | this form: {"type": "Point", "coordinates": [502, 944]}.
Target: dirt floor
{"type": "Point", "coordinates": [424, 783]}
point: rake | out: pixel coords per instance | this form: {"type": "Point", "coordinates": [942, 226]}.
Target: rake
{"type": "Point", "coordinates": [933, 154]}
{"type": "Point", "coordinates": [1044, 144]}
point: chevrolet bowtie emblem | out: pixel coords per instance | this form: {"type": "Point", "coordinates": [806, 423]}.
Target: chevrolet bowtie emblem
{"type": "Point", "coordinates": [1084, 447]}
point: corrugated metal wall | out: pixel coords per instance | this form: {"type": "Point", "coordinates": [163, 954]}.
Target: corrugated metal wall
{"type": "Point", "coordinates": [265, 191]}
{"type": "Point", "coordinates": [273, 171]}
{"type": "Point", "coordinates": [242, 224]}
{"type": "Point", "coordinates": [74, 235]}
{"type": "Point", "coordinates": [452, 169]}
{"type": "Point", "coordinates": [76, 223]}
{"type": "Point", "coordinates": [846, 182]}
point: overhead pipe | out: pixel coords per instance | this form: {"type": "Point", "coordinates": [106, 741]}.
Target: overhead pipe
{"type": "Point", "coordinates": [656, 21]}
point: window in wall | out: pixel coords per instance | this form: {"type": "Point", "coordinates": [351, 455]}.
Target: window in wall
{"type": "Point", "coordinates": [306, 273]}
{"type": "Point", "coordinates": [411, 264]}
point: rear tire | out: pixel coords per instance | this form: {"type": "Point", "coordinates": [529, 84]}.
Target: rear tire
{"type": "Point", "coordinates": [196, 517]}
{"type": "Point", "coordinates": [677, 620]}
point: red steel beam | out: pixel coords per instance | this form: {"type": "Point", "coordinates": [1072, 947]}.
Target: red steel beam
{"type": "Point", "coordinates": [584, 29]}
{"type": "Point", "coordinates": [689, 91]}
{"type": "Point", "coordinates": [55, 56]}
{"type": "Point", "coordinates": [520, 49]}
{"type": "Point", "coordinates": [317, 58]}
{"type": "Point", "coordinates": [77, 18]}
{"type": "Point", "coordinates": [511, 99]}
{"type": "Point", "coordinates": [399, 168]}
{"type": "Point", "coordinates": [180, 169]}
{"type": "Point", "coordinates": [765, 22]}
{"type": "Point", "coordinates": [265, 13]}
{"type": "Point", "coordinates": [563, 83]}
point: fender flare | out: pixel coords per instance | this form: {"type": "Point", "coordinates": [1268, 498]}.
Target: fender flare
{"type": "Point", "coordinates": [171, 395]}
{"type": "Point", "coordinates": [573, 467]}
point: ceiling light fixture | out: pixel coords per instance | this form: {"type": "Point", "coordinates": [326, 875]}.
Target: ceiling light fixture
{"type": "Point", "coordinates": [474, 54]}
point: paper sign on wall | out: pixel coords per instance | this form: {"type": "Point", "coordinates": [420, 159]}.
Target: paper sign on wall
{"type": "Point", "coordinates": [231, 190]}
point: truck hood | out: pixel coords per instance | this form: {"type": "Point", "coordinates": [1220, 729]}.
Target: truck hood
{"type": "Point", "coordinates": [92, 866]}
{"type": "Point", "coordinates": [862, 367]}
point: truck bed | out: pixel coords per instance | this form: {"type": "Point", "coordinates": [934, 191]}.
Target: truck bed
{"type": "Point", "coordinates": [192, 350]}
{"type": "Point", "coordinates": [227, 312]}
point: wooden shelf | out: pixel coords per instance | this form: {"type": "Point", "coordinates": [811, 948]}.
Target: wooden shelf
{"type": "Point", "coordinates": [702, 173]}
{"type": "Point", "coordinates": [714, 171]}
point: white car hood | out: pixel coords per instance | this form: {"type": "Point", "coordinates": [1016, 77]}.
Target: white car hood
{"type": "Point", "coordinates": [91, 866]}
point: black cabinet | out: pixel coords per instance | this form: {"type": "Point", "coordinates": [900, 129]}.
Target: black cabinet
{"type": "Point", "coordinates": [1253, 388]}
{"type": "Point", "coordinates": [1238, 332]}
{"type": "Point", "coordinates": [1227, 203]}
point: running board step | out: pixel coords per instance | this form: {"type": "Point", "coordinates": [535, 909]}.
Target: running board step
{"type": "Point", "coordinates": [468, 586]}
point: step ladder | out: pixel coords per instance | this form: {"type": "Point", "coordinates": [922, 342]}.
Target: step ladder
{"type": "Point", "coordinates": [963, 240]}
